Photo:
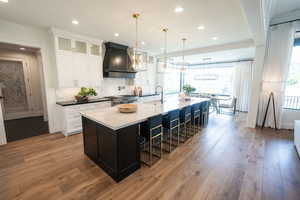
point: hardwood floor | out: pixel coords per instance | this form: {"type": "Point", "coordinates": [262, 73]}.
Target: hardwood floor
{"type": "Point", "coordinates": [224, 161]}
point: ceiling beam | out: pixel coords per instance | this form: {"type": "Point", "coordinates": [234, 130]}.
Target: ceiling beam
{"type": "Point", "coordinates": [287, 17]}
{"type": "Point", "coordinates": [223, 47]}
{"type": "Point", "coordinates": [257, 15]}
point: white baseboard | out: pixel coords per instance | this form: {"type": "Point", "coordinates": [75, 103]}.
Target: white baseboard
{"type": "Point", "coordinates": [3, 140]}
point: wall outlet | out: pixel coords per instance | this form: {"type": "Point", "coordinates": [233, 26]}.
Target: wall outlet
{"type": "Point", "coordinates": [121, 88]}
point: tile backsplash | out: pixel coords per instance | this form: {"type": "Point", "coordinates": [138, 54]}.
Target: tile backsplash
{"type": "Point", "coordinates": [110, 86]}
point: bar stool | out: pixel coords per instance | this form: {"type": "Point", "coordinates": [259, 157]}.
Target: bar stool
{"type": "Point", "coordinates": [142, 141]}
{"type": "Point", "coordinates": [152, 131]}
{"type": "Point", "coordinates": [196, 117]}
{"type": "Point", "coordinates": [204, 108]}
{"type": "Point", "coordinates": [171, 123]}
{"type": "Point", "coordinates": [185, 120]}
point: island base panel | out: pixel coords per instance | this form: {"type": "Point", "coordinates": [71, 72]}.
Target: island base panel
{"type": "Point", "coordinates": [116, 152]}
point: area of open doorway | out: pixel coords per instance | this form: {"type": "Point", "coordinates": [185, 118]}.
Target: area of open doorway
{"type": "Point", "coordinates": [23, 101]}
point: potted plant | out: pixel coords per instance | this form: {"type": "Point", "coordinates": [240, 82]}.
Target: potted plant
{"type": "Point", "coordinates": [84, 93]}
{"type": "Point", "coordinates": [188, 89]}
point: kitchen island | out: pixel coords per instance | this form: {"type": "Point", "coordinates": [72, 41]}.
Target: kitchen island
{"type": "Point", "coordinates": [111, 138]}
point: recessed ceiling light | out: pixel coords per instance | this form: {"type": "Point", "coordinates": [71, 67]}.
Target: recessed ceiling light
{"type": "Point", "coordinates": [117, 34]}
{"type": "Point", "coordinates": [201, 27]}
{"type": "Point", "coordinates": [75, 22]}
{"type": "Point", "coordinates": [143, 43]}
{"type": "Point", "coordinates": [178, 9]}
{"type": "Point", "coordinates": [215, 38]}
{"type": "Point", "coordinates": [4, 1]}
{"type": "Point", "coordinates": [22, 48]}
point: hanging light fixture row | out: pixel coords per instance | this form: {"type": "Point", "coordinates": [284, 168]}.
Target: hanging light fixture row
{"type": "Point", "coordinates": [136, 61]}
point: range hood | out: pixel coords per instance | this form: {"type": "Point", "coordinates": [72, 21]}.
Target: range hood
{"type": "Point", "coordinates": [116, 62]}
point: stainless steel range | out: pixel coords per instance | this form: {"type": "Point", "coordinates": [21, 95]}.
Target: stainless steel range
{"type": "Point", "coordinates": [122, 99]}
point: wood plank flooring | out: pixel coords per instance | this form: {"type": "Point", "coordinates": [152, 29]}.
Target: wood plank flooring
{"type": "Point", "coordinates": [224, 161]}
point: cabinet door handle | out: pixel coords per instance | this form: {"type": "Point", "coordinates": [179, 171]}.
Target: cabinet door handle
{"type": "Point", "coordinates": [1, 97]}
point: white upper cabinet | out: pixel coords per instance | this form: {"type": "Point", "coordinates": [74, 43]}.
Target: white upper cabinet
{"type": "Point", "coordinates": [81, 64]}
{"type": "Point", "coordinates": [65, 69]}
{"type": "Point", "coordinates": [95, 68]}
{"type": "Point", "coordinates": [78, 60]}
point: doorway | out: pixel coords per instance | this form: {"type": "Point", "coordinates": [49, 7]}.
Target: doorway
{"type": "Point", "coordinates": [22, 101]}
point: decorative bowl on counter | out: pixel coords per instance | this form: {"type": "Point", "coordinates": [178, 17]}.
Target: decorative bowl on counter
{"type": "Point", "coordinates": [187, 98]}
{"type": "Point", "coordinates": [127, 108]}
{"type": "Point", "coordinates": [81, 98]}
{"type": "Point", "coordinates": [184, 97]}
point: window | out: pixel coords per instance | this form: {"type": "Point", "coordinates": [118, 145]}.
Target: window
{"type": "Point", "coordinates": [169, 80]}
{"type": "Point", "coordinates": [292, 91]}
{"type": "Point", "coordinates": [64, 44]}
{"type": "Point", "coordinates": [172, 81]}
{"type": "Point", "coordinates": [211, 79]}
{"type": "Point", "coordinates": [95, 50]}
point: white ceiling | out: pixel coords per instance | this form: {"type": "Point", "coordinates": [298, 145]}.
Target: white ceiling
{"type": "Point", "coordinates": [285, 6]}
{"type": "Point", "coordinates": [102, 18]}
{"type": "Point", "coordinates": [220, 56]}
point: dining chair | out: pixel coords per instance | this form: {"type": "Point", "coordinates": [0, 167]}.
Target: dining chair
{"type": "Point", "coordinates": [228, 104]}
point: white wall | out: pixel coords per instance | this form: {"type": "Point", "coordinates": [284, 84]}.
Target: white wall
{"type": "Point", "coordinates": [39, 38]}
{"type": "Point", "coordinates": [288, 118]}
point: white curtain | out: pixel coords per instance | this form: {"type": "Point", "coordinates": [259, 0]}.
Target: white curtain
{"type": "Point", "coordinates": [277, 61]}
{"type": "Point", "coordinates": [242, 84]}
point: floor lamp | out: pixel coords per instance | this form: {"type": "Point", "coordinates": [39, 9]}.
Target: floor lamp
{"type": "Point", "coordinates": [271, 98]}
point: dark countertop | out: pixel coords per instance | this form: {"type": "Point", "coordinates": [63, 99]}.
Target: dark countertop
{"type": "Point", "coordinates": [74, 102]}
{"type": "Point", "coordinates": [149, 95]}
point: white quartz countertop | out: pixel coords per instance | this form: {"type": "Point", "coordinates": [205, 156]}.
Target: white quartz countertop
{"type": "Point", "coordinates": [113, 119]}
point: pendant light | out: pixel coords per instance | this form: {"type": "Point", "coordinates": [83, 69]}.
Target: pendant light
{"type": "Point", "coordinates": [165, 65]}
{"type": "Point", "coordinates": [135, 49]}
{"type": "Point", "coordinates": [183, 64]}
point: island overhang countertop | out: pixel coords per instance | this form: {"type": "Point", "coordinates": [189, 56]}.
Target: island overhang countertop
{"type": "Point", "coordinates": [115, 120]}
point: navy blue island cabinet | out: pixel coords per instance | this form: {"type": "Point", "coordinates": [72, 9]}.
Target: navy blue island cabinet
{"type": "Point", "coordinates": [115, 151]}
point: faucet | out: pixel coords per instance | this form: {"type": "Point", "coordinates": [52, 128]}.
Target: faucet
{"type": "Point", "coordinates": [161, 93]}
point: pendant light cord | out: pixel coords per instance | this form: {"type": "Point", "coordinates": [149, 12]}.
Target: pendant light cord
{"type": "Point", "coordinates": [165, 47]}
{"type": "Point", "coordinates": [183, 48]}
{"type": "Point", "coordinates": [136, 33]}
{"type": "Point", "coordinates": [136, 16]}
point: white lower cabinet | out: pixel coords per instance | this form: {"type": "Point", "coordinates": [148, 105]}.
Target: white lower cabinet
{"type": "Point", "coordinates": [71, 117]}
